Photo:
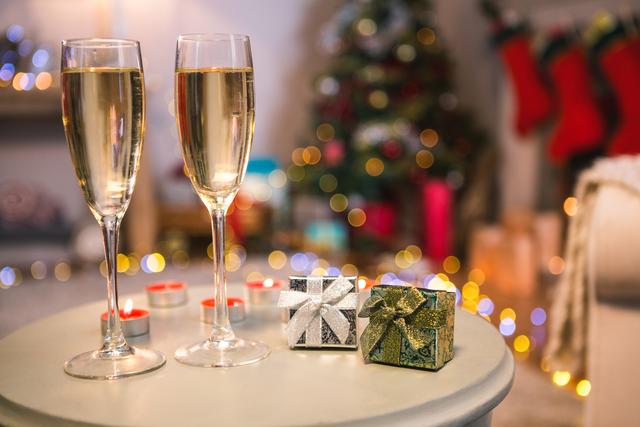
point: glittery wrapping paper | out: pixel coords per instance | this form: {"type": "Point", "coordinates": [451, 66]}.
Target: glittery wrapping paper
{"type": "Point", "coordinates": [329, 338]}
{"type": "Point", "coordinates": [409, 327]}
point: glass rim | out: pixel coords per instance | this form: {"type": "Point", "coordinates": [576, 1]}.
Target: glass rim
{"type": "Point", "coordinates": [100, 42]}
{"type": "Point", "coordinates": [212, 37]}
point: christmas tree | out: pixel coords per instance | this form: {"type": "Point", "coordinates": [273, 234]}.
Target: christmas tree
{"type": "Point", "coordinates": [385, 118]}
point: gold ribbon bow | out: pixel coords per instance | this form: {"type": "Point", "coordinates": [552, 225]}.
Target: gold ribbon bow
{"type": "Point", "coordinates": [388, 321]}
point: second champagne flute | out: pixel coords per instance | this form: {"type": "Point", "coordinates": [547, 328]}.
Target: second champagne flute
{"type": "Point", "coordinates": [215, 119]}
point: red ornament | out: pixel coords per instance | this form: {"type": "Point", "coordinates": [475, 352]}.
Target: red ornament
{"type": "Point", "coordinates": [333, 152]}
{"type": "Point", "coordinates": [391, 149]}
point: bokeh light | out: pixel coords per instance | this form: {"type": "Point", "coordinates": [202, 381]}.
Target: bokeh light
{"type": "Point", "coordinates": [429, 138]}
{"type": "Point", "coordinates": [122, 263]}
{"type": "Point", "coordinates": [521, 343]}
{"type": "Point", "coordinates": [295, 173]}
{"type": "Point", "coordinates": [366, 27]}
{"type": "Point", "coordinates": [15, 33]}
{"type": "Point", "coordinates": [277, 259]}
{"type": "Point", "coordinates": [40, 58]}
{"type": "Point", "coordinates": [232, 261]}
{"type": "Point", "coordinates": [476, 275]}
{"type": "Point", "coordinates": [406, 53]}
{"type": "Point", "coordinates": [424, 159]}
{"type": "Point", "coordinates": [570, 206]}
{"type": "Point", "coordinates": [451, 264]}
{"type": "Point", "coordinates": [356, 217]}
{"type": "Point", "coordinates": [485, 306]}
{"type": "Point", "coordinates": [7, 277]}
{"type": "Point", "coordinates": [38, 270]}
{"type": "Point", "coordinates": [296, 157]}
{"type": "Point", "coordinates": [328, 183]}
{"type": "Point", "coordinates": [62, 271]}
{"type": "Point", "coordinates": [152, 263]}
{"type": "Point", "coordinates": [583, 388]}
{"type": "Point", "coordinates": [556, 265]}
{"type": "Point", "coordinates": [325, 132]}
{"type": "Point", "coordinates": [299, 262]}
{"type": "Point", "coordinates": [470, 291]}
{"type": "Point", "coordinates": [374, 166]}
{"type": "Point", "coordinates": [426, 36]}
{"type": "Point", "coordinates": [538, 316]}
{"type": "Point", "coordinates": [378, 99]}
{"type": "Point", "coordinates": [277, 178]}
{"type": "Point", "coordinates": [561, 378]}
{"type": "Point", "coordinates": [311, 155]}
{"type": "Point", "coordinates": [349, 270]}
{"type": "Point", "coordinates": [44, 80]}
{"type": "Point", "coordinates": [508, 313]}
{"type": "Point", "coordinates": [338, 202]}
{"type": "Point", "coordinates": [507, 326]}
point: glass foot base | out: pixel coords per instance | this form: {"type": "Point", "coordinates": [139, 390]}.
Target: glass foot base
{"type": "Point", "coordinates": [222, 353]}
{"type": "Point", "coordinates": [101, 365]}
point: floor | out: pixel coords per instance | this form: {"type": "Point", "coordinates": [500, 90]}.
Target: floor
{"type": "Point", "coordinates": [533, 400]}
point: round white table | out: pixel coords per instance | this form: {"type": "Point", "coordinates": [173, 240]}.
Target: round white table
{"type": "Point", "coordinates": [289, 388]}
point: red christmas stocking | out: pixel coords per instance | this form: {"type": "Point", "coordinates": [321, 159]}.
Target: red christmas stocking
{"type": "Point", "coordinates": [621, 64]}
{"type": "Point", "coordinates": [581, 126]}
{"type": "Point", "coordinates": [534, 103]}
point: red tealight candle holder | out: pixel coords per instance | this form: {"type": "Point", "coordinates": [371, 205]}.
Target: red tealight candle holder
{"type": "Point", "coordinates": [166, 294]}
{"type": "Point", "coordinates": [134, 321]}
{"type": "Point", "coordinates": [263, 292]}
{"type": "Point", "coordinates": [236, 309]}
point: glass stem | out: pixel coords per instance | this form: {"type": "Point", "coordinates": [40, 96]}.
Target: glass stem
{"type": "Point", "coordinates": [221, 327]}
{"type": "Point", "coordinates": [114, 339]}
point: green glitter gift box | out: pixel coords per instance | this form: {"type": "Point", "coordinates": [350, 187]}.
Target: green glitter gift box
{"type": "Point", "coordinates": [408, 326]}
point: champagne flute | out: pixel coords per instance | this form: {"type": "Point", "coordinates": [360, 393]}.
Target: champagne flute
{"type": "Point", "coordinates": [215, 118]}
{"type": "Point", "coordinates": [103, 111]}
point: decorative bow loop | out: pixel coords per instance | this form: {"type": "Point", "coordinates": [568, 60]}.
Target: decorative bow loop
{"type": "Point", "coordinates": [312, 308]}
{"type": "Point", "coordinates": [388, 315]}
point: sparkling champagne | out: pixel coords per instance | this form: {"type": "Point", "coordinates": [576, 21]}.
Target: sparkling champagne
{"type": "Point", "coordinates": [215, 117]}
{"type": "Point", "coordinates": [103, 113]}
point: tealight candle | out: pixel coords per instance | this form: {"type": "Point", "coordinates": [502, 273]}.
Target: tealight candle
{"type": "Point", "coordinates": [134, 321]}
{"type": "Point", "coordinates": [263, 292]}
{"type": "Point", "coordinates": [236, 309]}
{"type": "Point", "coordinates": [166, 294]}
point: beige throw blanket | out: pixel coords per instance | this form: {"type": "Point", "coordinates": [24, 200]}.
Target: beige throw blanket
{"type": "Point", "coordinates": [567, 346]}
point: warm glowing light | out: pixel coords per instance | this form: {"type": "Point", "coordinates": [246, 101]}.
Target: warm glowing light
{"type": "Point", "coordinates": [338, 202]}
{"type": "Point", "coordinates": [325, 132]}
{"type": "Point", "coordinates": [17, 81]}
{"type": "Point", "coordinates": [374, 166]}
{"type": "Point", "coordinates": [362, 283]}
{"type": "Point", "coordinates": [134, 265]}
{"type": "Point", "coordinates": [378, 99]}
{"type": "Point", "coordinates": [62, 271]}
{"type": "Point", "coordinates": [122, 262]}
{"type": "Point", "coordinates": [426, 36]}
{"type": "Point", "coordinates": [296, 157]}
{"type": "Point", "coordinates": [356, 217]}
{"type": "Point", "coordinates": [403, 259]}
{"type": "Point", "coordinates": [319, 271]}
{"type": "Point", "coordinates": [508, 313]}
{"type": "Point", "coordinates": [311, 155]}
{"type": "Point", "coordinates": [556, 265]}
{"type": "Point", "coordinates": [429, 138]}
{"type": "Point", "coordinates": [366, 27]}
{"type": "Point", "coordinates": [424, 159]}
{"type": "Point", "coordinates": [232, 261]}
{"type": "Point", "coordinates": [544, 364]}
{"type": "Point", "coordinates": [485, 306]}
{"type": "Point", "coordinates": [451, 264]}
{"type": "Point", "coordinates": [415, 252]}
{"type": "Point", "coordinates": [128, 307]}
{"type": "Point", "coordinates": [328, 183]}
{"type": "Point", "coordinates": [521, 343]}
{"type": "Point", "coordinates": [583, 388]}
{"type": "Point", "coordinates": [153, 263]}
{"type": "Point", "coordinates": [44, 80]}
{"type": "Point", "coordinates": [561, 378]}
{"type": "Point", "coordinates": [277, 259]}
{"type": "Point", "coordinates": [39, 270]}
{"type": "Point", "coordinates": [470, 291]}
{"type": "Point", "coordinates": [476, 275]}
{"type": "Point", "coordinates": [406, 53]}
{"type": "Point", "coordinates": [268, 283]}
{"type": "Point", "coordinates": [570, 206]}
{"type": "Point", "coordinates": [349, 270]}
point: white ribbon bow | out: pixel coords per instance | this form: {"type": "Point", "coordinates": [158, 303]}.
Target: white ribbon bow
{"type": "Point", "coordinates": [314, 305]}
